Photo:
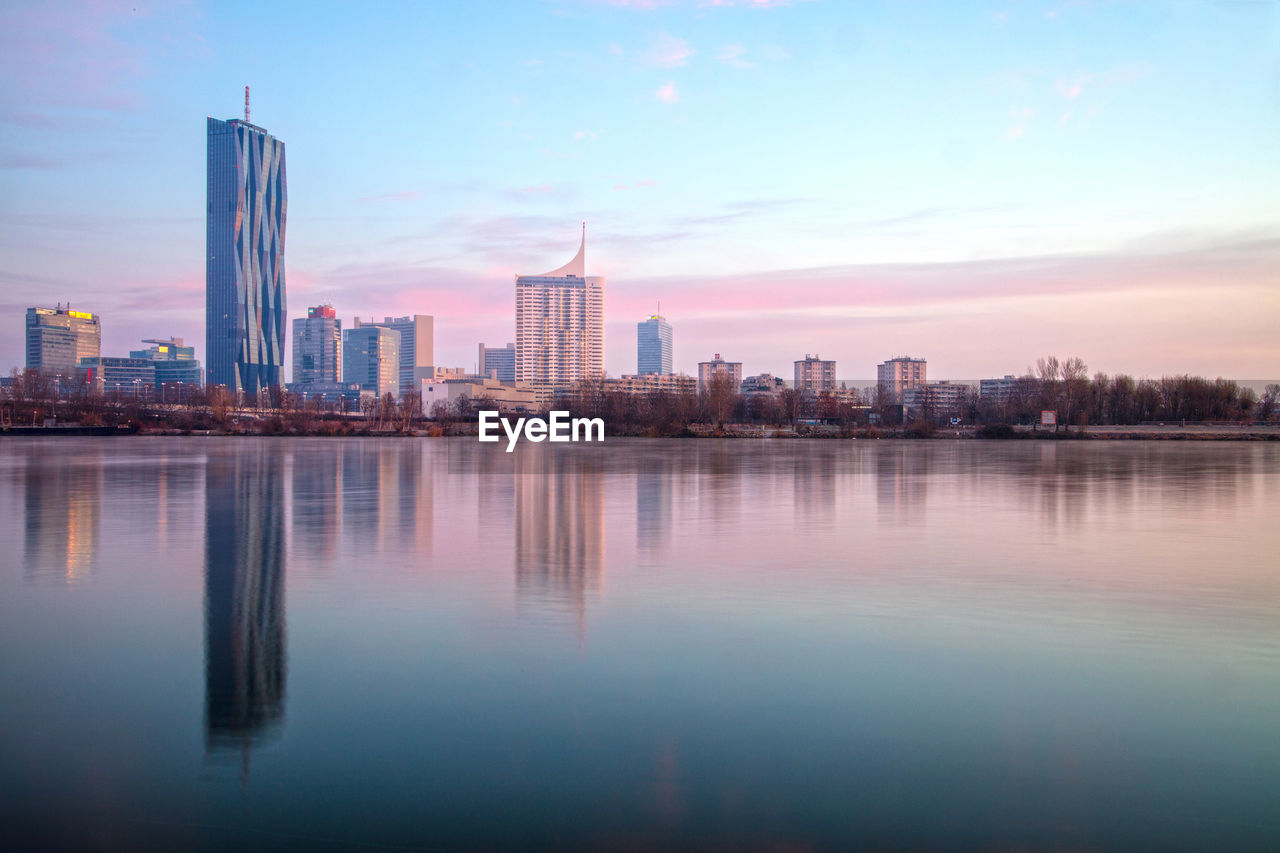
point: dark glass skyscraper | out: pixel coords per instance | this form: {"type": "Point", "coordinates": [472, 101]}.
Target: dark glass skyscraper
{"type": "Point", "coordinates": [244, 265]}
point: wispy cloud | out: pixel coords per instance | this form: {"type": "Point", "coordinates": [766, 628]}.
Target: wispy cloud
{"type": "Point", "coordinates": [667, 92]}
{"type": "Point", "coordinates": [1019, 120]}
{"type": "Point", "coordinates": [407, 195]}
{"type": "Point", "coordinates": [25, 160]}
{"type": "Point", "coordinates": [642, 5]}
{"type": "Point", "coordinates": [731, 54]}
{"type": "Point", "coordinates": [668, 51]}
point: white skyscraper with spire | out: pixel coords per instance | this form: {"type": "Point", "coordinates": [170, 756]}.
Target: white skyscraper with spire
{"type": "Point", "coordinates": [560, 325]}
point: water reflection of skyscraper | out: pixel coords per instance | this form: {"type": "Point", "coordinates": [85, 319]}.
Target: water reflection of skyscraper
{"type": "Point", "coordinates": [244, 596]}
{"type": "Point", "coordinates": [63, 503]}
{"type": "Point", "coordinates": [559, 521]}
{"type": "Point", "coordinates": [653, 508]}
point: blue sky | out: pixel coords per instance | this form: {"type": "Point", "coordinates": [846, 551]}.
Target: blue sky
{"type": "Point", "coordinates": [979, 184]}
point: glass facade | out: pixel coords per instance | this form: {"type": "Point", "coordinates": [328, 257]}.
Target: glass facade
{"type": "Point", "coordinates": [57, 338]}
{"type": "Point", "coordinates": [135, 377]}
{"type": "Point", "coordinates": [371, 359]}
{"type": "Point", "coordinates": [175, 363]}
{"type": "Point", "coordinates": [498, 362]}
{"type": "Point", "coordinates": [654, 350]}
{"type": "Point", "coordinates": [417, 348]}
{"type": "Point", "coordinates": [244, 264]}
{"type": "Point", "coordinates": [317, 347]}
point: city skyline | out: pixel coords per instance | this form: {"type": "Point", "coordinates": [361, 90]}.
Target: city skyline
{"type": "Point", "coordinates": [984, 185]}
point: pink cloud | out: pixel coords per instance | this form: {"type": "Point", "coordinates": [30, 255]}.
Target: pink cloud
{"type": "Point", "coordinates": [1148, 309]}
{"type": "Point", "coordinates": [667, 93]}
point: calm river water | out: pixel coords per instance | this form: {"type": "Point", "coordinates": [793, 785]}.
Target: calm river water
{"type": "Point", "coordinates": [399, 644]}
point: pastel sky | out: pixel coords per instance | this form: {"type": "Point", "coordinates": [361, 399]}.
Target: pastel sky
{"type": "Point", "coordinates": [975, 183]}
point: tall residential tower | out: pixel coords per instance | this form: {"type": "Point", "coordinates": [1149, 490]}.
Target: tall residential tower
{"type": "Point", "coordinates": [244, 258]}
{"type": "Point", "coordinates": [560, 325]}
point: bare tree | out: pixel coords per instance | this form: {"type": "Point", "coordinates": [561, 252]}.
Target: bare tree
{"type": "Point", "coordinates": [720, 397]}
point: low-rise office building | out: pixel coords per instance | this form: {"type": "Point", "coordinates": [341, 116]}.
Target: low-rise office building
{"type": "Point", "coordinates": [134, 377]}
{"type": "Point", "coordinates": [505, 397]}
{"type": "Point", "coordinates": [652, 383]}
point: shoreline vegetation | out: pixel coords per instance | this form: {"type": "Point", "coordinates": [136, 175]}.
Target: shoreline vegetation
{"type": "Point", "coordinates": [1098, 408]}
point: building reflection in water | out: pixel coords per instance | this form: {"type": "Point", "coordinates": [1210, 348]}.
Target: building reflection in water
{"type": "Point", "coordinates": [902, 471]}
{"type": "Point", "coordinates": [317, 479]}
{"type": "Point", "coordinates": [244, 598]}
{"type": "Point", "coordinates": [559, 528]}
{"type": "Point", "coordinates": [653, 508]}
{"type": "Point", "coordinates": [63, 502]}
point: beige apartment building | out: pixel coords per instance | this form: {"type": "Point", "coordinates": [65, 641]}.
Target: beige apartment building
{"type": "Point", "coordinates": [560, 326]}
{"type": "Point", "coordinates": [707, 370]}
{"type": "Point", "coordinates": [814, 375]}
{"type": "Point", "coordinates": [898, 374]}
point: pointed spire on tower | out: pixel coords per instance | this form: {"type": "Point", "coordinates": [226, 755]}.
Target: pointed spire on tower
{"type": "Point", "coordinates": [246, 104]}
{"type": "Point", "coordinates": [577, 266]}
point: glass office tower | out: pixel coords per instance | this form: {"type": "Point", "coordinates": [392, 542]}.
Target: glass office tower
{"type": "Point", "coordinates": [57, 338]}
{"type": "Point", "coordinates": [653, 346]}
{"type": "Point", "coordinates": [244, 265]}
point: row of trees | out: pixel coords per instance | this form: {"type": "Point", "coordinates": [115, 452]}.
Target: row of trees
{"type": "Point", "coordinates": [1066, 387]}
{"type": "Point", "coordinates": [1062, 386]}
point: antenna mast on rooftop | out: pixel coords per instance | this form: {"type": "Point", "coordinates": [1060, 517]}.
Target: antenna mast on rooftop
{"type": "Point", "coordinates": [246, 104]}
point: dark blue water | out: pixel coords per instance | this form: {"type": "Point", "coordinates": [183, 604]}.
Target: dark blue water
{"type": "Point", "coordinates": [423, 644]}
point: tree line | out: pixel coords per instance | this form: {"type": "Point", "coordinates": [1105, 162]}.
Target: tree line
{"type": "Point", "coordinates": [1062, 386]}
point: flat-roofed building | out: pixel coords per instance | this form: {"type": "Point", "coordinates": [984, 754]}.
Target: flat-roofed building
{"type": "Point", "coordinates": [497, 362]}
{"type": "Point", "coordinates": [417, 348]}
{"type": "Point", "coordinates": [898, 374]}
{"type": "Point", "coordinates": [708, 370]}
{"type": "Point", "coordinates": [999, 390]}
{"type": "Point", "coordinates": [371, 359]}
{"type": "Point", "coordinates": [58, 338]}
{"type": "Point", "coordinates": [505, 397]}
{"type": "Point", "coordinates": [655, 349]}
{"type": "Point", "coordinates": [175, 364]}
{"type": "Point", "coordinates": [814, 375]}
{"type": "Point", "coordinates": [317, 347]}
{"type": "Point", "coordinates": [936, 399]}
{"type": "Point", "coordinates": [762, 383]}
{"type": "Point", "coordinates": [135, 377]}
{"type": "Point", "coordinates": [653, 383]}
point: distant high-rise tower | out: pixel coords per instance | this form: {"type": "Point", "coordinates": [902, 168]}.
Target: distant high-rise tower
{"type": "Point", "coordinates": [654, 346]}
{"type": "Point", "coordinates": [244, 263]}
{"type": "Point", "coordinates": [560, 325]}
{"type": "Point", "coordinates": [57, 338]}
{"type": "Point", "coordinates": [317, 346]}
